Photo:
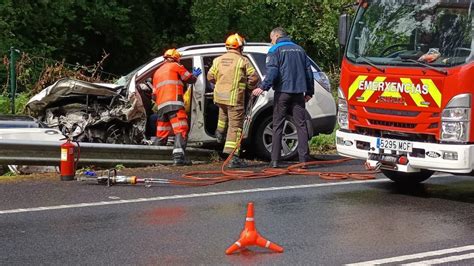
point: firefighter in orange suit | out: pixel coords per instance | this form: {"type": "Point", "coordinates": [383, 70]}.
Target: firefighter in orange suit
{"type": "Point", "coordinates": [232, 73]}
{"type": "Point", "coordinates": [168, 91]}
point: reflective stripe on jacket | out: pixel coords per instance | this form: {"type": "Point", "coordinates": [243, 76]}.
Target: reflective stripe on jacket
{"type": "Point", "coordinates": [232, 72]}
{"type": "Point", "coordinates": [168, 86]}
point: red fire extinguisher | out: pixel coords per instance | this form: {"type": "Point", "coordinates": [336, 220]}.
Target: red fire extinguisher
{"type": "Point", "coordinates": [68, 167]}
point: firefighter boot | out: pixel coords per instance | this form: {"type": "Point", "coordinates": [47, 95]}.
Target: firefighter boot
{"type": "Point", "coordinates": [180, 160]}
{"type": "Point", "coordinates": [236, 162]}
{"type": "Point", "coordinates": [178, 151]}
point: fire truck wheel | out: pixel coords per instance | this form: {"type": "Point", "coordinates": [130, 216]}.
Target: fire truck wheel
{"type": "Point", "coordinates": [407, 178]}
{"type": "Point", "coordinates": [263, 139]}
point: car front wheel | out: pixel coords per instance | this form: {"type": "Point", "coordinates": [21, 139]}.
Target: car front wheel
{"type": "Point", "coordinates": [289, 141]}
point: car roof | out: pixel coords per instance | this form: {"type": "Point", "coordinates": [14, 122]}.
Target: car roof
{"type": "Point", "coordinates": [211, 48]}
{"type": "Point", "coordinates": [220, 48]}
{"type": "Point", "coordinates": [250, 45]}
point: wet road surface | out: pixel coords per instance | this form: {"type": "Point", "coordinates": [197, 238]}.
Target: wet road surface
{"type": "Point", "coordinates": [318, 222]}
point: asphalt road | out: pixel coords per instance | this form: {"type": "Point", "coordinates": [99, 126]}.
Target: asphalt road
{"type": "Point", "coordinates": [318, 222]}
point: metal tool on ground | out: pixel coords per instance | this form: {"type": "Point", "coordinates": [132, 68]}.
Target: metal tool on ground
{"type": "Point", "coordinates": [250, 236]}
{"type": "Point", "coordinates": [111, 178]}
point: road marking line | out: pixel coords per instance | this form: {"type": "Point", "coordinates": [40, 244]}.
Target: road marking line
{"type": "Point", "coordinates": [186, 196]}
{"type": "Point", "coordinates": [442, 260]}
{"type": "Point", "coordinates": [414, 256]}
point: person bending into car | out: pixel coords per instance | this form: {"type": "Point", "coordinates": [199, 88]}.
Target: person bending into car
{"type": "Point", "coordinates": [289, 72]}
{"type": "Point", "coordinates": [168, 91]}
{"type": "Point", "coordinates": [231, 73]}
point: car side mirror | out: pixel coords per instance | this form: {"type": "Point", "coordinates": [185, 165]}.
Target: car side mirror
{"type": "Point", "coordinates": [343, 29]}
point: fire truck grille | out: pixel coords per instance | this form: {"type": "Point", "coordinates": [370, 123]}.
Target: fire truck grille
{"type": "Point", "coordinates": [392, 124]}
{"type": "Point", "coordinates": [392, 112]}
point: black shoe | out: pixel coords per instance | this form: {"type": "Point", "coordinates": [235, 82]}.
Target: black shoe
{"type": "Point", "coordinates": [236, 162]}
{"type": "Point", "coordinates": [180, 160]}
{"type": "Point", "coordinates": [274, 164]}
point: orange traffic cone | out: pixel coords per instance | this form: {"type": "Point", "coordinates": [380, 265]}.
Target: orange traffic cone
{"type": "Point", "coordinates": [250, 236]}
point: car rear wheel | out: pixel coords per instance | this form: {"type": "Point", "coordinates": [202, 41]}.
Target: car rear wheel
{"type": "Point", "coordinates": [264, 136]}
{"type": "Point", "coordinates": [407, 178]}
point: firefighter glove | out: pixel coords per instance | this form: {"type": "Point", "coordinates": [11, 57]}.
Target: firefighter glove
{"type": "Point", "coordinates": [197, 71]}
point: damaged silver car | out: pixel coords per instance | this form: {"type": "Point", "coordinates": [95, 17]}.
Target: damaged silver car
{"type": "Point", "coordinates": [91, 112]}
{"type": "Point", "coordinates": [119, 113]}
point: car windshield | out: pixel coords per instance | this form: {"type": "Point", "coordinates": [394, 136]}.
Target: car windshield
{"type": "Point", "coordinates": [123, 80]}
{"type": "Point", "coordinates": [387, 32]}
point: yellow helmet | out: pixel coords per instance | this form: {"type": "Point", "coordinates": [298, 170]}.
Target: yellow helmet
{"type": "Point", "coordinates": [234, 41]}
{"type": "Point", "coordinates": [172, 53]}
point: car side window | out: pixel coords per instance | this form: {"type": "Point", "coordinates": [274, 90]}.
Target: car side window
{"type": "Point", "coordinates": [187, 63]}
{"type": "Point", "coordinates": [207, 61]}
{"type": "Point", "coordinates": [260, 60]}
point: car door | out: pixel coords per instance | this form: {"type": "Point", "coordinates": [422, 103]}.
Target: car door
{"type": "Point", "coordinates": [203, 110]}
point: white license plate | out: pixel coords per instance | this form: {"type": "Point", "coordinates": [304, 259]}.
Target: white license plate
{"type": "Point", "coordinates": [394, 144]}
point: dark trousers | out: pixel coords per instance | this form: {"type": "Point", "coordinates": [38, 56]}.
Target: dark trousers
{"type": "Point", "coordinates": [289, 104]}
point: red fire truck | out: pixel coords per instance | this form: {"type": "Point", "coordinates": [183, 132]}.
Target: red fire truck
{"type": "Point", "coordinates": [407, 78]}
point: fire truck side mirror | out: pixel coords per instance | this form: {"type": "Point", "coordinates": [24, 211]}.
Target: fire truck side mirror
{"type": "Point", "coordinates": [343, 30]}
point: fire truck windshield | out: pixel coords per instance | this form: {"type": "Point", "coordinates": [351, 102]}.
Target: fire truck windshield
{"type": "Point", "coordinates": [395, 32]}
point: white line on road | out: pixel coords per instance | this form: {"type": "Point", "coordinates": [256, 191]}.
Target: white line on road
{"type": "Point", "coordinates": [185, 196]}
{"type": "Point", "coordinates": [415, 256]}
{"type": "Point", "coordinates": [442, 260]}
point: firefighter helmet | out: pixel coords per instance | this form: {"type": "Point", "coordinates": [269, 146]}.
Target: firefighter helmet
{"type": "Point", "coordinates": [234, 41]}
{"type": "Point", "coordinates": [172, 53]}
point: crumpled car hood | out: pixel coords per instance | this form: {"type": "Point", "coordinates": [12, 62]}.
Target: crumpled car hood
{"type": "Point", "coordinates": [91, 112]}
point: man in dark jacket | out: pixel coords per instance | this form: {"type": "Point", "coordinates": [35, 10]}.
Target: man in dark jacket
{"type": "Point", "coordinates": [289, 73]}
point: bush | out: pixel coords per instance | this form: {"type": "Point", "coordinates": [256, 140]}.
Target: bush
{"type": "Point", "coordinates": [323, 143]}
{"type": "Point", "coordinates": [20, 103]}
{"type": "Point", "coordinates": [333, 74]}
{"type": "Point", "coordinates": [4, 104]}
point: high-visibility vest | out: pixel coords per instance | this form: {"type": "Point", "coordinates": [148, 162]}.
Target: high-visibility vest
{"type": "Point", "coordinates": [168, 86]}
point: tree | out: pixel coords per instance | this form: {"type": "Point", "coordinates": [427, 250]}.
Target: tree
{"type": "Point", "coordinates": [312, 24]}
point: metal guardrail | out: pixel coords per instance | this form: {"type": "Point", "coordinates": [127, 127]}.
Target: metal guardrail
{"type": "Point", "coordinates": [30, 152]}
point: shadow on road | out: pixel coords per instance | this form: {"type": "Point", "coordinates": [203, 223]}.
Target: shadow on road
{"type": "Point", "coordinates": [462, 191]}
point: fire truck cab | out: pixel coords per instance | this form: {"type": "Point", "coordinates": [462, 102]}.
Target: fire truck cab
{"type": "Point", "coordinates": [405, 94]}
